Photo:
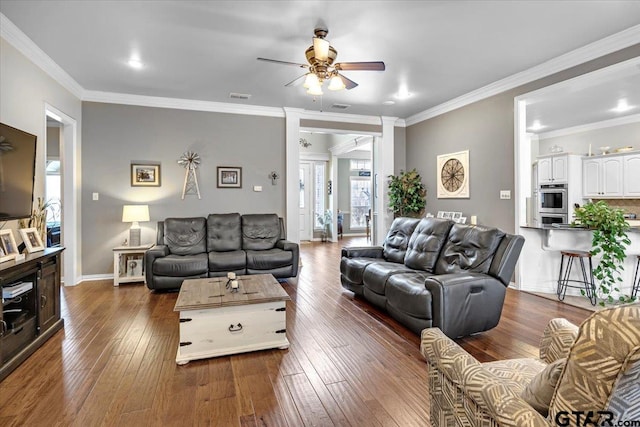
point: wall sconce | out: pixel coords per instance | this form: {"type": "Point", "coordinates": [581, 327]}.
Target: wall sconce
{"type": "Point", "coordinates": [274, 176]}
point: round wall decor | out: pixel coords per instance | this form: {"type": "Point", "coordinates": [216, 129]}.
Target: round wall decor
{"type": "Point", "coordinates": [453, 175]}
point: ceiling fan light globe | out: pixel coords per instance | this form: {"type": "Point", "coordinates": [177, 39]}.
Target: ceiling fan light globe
{"type": "Point", "coordinates": [336, 83]}
{"type": "Point", "coordinates": [315, 90]}
{"type": "Point", "coordinates": [311, 80]}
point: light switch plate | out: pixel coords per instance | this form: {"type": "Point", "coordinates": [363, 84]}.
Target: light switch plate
{"type": "Point", "coordinates": [505, 194]}
{"type": "Point", "coordinates": [96, 196]}
{"type": "Point", "coordinates": [257, 188]}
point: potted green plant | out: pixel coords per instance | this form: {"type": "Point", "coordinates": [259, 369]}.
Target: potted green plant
{"type": "Point", "coordinates": [609, 241]}
{"type": "Point", "coordinates": [407, 194]}
{"type": "Point", "coordinates": [325, 220]}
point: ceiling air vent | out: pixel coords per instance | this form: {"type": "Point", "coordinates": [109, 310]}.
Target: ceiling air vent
{"type": "Point", "coordinates": [341, 106]}
{"type": "Point", "coordinates": [234, 95]}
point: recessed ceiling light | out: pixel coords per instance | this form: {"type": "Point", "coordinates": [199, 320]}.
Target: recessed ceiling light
{"type": "Point", "coordinates": [135, 63]}
{"type": "Point", "coordinates": [388, 102]}
{"type": "Point", "coordinates": [536, 125]}
{"type": "Point", "coordinates": [623, 106]}
{"type": "Point", "coordinates": [403, 92]}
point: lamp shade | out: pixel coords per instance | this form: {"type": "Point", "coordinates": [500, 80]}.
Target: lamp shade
{"type": "Point", "coordinates": [135, 213]}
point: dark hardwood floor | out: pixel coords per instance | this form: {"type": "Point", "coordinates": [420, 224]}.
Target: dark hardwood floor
{"type": "Point", "coordinates": [348, 363]}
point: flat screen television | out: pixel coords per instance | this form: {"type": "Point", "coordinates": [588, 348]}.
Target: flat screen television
{"type": "Point", "coordinates": [17, 172]}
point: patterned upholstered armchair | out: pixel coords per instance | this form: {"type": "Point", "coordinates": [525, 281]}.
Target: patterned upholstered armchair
{"type": "Point", "coordinates": [598, 370]}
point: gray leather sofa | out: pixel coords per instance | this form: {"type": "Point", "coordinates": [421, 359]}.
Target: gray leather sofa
{"type": "Point", "coordinates": [189, 248]}
{"type": "Point", "coordinates": [434, 273]}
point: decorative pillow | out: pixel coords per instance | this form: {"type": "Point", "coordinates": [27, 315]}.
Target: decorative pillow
{"type": "Point", "coordinates": [539, 391]}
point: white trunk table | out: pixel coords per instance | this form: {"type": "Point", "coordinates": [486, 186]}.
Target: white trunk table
{"type": "Point", "coordinates": [215, 321]}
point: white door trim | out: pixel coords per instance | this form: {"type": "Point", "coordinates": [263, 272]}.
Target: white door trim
{"type": "Point", "coordinates": [71, 219]}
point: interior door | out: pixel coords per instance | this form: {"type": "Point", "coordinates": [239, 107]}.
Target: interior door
{"type": "Point", "coordinates": [306, 229]}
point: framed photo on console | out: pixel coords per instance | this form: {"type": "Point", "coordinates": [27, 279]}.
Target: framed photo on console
{"type": "Point", "coordinates": [8, 247]}
{"type": "Point", "coordinates": [229, 177]}
{"type": "Point", "coordinates": [31, 239]}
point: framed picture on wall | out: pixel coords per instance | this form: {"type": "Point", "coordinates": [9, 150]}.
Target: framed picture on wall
{"type": "Point", "coordinates": [145, 174]}
{"type": "Point", "coordinates": [31, 239]}
{"type": "Point", "coordinates": [8, 247]}
{"type": "Point", "coordinates": [453, 175]}
{"type": "Point", "coordinates": [229, 177]}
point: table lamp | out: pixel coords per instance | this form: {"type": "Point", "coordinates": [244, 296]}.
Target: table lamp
{"type": "Point", "coordinates": [135, 214]}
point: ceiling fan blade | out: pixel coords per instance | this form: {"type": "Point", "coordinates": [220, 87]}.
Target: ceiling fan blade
{"type": "Point", "coordinates": [348, 83]}
{"type": "Point", "coordinates": [361, 66]}
{"type": "Point", "coordinates": [298, 81]}
{"type": "Point", "coordinates": [275, 61]}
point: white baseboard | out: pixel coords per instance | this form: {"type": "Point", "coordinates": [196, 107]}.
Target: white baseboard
{"type": "Point", "coordinates": [94, 277]}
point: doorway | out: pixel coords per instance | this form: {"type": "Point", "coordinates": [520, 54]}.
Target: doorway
{"type": "Point", "coordinates": [68, 190]}
{"type": "Point", "coordinates": [53, 183]}
{"type": "Point", "coordinates": [305, 202]}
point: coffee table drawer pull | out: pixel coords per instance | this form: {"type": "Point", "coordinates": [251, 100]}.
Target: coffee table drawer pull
{"type": "Point", "coordinates": [185, 320]}
{"type": "Point", "coordinates": [185, 343]}
{"type": "Point", "coordinates": [281, 331]}
{"type": "Point", "coordinates": [235, 328]}
{"type": "Point", "coordinates": [281, 309]}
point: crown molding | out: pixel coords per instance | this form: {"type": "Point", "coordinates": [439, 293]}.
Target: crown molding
{"type": "Point", "coordinates": [594, 50]}
{"type": "Point", "coordinates": [634, 118]}
{"type": "Point", "coordinates": [14, 36]}
{"type": "Point", "coordinates": [180, 104]}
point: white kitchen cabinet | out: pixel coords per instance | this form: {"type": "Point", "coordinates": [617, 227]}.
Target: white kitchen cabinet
{"type": "Point", "coordinates": [603, 177]}
{"type": "Point", "coordinates": [632, 175]}
{"type": "Point", "coordinates": [553, 169]}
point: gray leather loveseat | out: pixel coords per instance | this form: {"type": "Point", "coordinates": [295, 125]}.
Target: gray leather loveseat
{"type": "Point", "coordinates": [189, 248]}
{"type": "Point", "coordinates": [434, 273]}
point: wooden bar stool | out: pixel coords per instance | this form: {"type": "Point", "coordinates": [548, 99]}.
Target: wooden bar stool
{"type": "Point", "coordinates": [586, 282]}
{"type": "Point", "coordinates": [636, 280]}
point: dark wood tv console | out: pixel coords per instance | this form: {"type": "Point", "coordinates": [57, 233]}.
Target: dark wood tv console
{"type": "Point", "coordinates": [29, 319]}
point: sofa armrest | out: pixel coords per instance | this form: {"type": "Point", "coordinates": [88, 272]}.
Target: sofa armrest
{"type": "Point", "coordinates": [157, 251]}
{"type": "Point", "coordinates": [286, 245]}
{"type": "Point", "coordinates": [465, 303]}
{"type": "Point", "coordinates": [362, 252]}
{"type": "Point", "coordinates": [557, 339]}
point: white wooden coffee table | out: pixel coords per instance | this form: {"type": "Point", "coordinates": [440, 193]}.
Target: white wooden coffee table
{"type": "Point", "coordinates": [215, 321]}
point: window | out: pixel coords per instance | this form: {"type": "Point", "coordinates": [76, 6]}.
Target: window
{"type": "Point", "coordinates": [357, 165]}
{"type": "Point", "coordinates": [318, 193]}
{"type": "Point", "coordinates": [360, 201]}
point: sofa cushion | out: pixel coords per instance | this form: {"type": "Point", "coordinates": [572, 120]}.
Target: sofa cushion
{"type": "Point", "coordinates": [426, 243]}
{"type": "Point", "coordinates": [603, 365]}
{"type": "Point", "coordinates": [227, 261]}
{"type": "Point", "coordinates": [376, 274]}
{"type": "Point", "coordinates": [185, 236]}
{"type": "Point", "coordinates": [260, 231]}
{"type": "Point", "coordinates": [539, 391]}
{"type": "Point", "coordinates": [406, 293]}
{"type": "Point", "coordinates": [181, 265]}
{"type": "Point", "coordinates": [224, 232]}
{"type": "Point", "coordinates": [395, 244]}
{"type": "Point", "coordinates": [269, 259]}
{"type": "Point", "coordinates": [353, 268]}
{"type": "Point", "coordinates": [468, 248]}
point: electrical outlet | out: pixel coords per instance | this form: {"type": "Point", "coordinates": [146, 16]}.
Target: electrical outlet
{"type": "Point", "coordinates": [96, 196]}
{"type": "Point", "coordinates": [257, 188]}
{"type": "Point", "coordinates": [505, 194]}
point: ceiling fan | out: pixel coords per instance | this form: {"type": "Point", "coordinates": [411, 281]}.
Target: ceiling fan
{"type": "Point", "coordinates": [320, 56]}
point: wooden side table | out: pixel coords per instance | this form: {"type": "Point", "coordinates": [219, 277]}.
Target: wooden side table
{"type": "Point", "coordinates": [128, 264]}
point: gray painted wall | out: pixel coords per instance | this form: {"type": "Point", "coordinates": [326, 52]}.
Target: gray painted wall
{"type": "Point", "coordinates": [627, 135]}
{"type": "Point", "coordinates": [486, 129]}
{"type": "Point", "coordinates": [53, 142]}
{"type": "Point", "coordinates": [116, 135]}
{"type": "Point", "coordinates": [24, 89]}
